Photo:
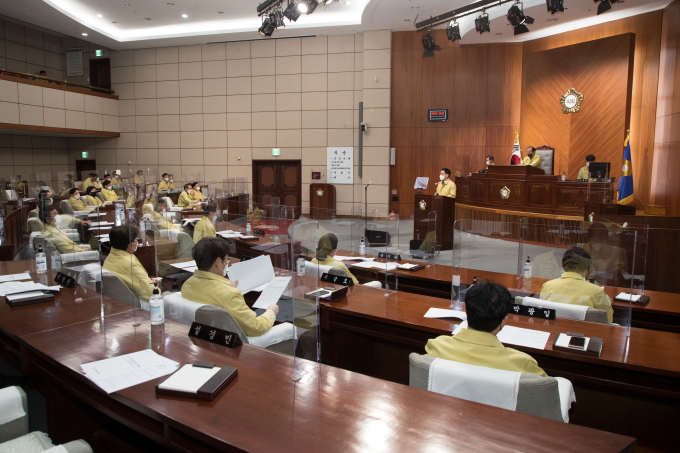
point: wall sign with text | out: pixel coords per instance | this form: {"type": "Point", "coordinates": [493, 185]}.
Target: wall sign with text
{"type": "Point", "coordinates": [438, 115]}
{"type": "Point", "coordinates": [340, 163]}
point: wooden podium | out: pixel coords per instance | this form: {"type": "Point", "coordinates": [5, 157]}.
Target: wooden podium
{"type": "Point", "coordinates": [445, 208]}
{"type": "Point", "coordinates": [321, 201]}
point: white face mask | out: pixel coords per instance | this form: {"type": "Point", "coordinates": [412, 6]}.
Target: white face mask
{"type": "Point", "coordinates": [135, 246]}
{"type": "Point", "coordinates": [488, 163]}
{"type": "Point", "coordinates": [171, 180]}
{"type": "Point", "coordinates": [587, 164]}
{"type": "Point", "coordinates": [165, 179]}
{"type": "Point", "coordinates": [198, 188]}
{"type": "Point", "coordinates": [188, 190]}
{"type": "Point", "coordinates": [442, 177]}
{"type": "Point", "coordinates": [57, 219]}
{"type": "Point", "coordinates": [224, 269]}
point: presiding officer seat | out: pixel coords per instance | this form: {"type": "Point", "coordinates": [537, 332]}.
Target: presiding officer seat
{"type": "Point", "coordinates": [537, 395]}
{"type": "Point", "coordinates": [547, 159]}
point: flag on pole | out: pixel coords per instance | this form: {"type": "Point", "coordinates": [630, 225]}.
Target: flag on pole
{"type": "Point", "coordinates": [625, 191]}
{"type": "Point", "coordinates": [516, 152]}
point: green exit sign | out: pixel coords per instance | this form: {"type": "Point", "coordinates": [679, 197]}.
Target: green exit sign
{"type": "Point", "coordinates": [276, 151]}
{"type": "Point", "coordinates": [84, 154]}
{"type": "Point", "coordinates": [98, 53]}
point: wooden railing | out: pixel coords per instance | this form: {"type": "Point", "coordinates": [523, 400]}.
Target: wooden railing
{"type": "Point", "coordinates": [55, 81]}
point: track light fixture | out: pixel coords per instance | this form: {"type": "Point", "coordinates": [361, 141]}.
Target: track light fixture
{"type": "Point", "coordinates": [307, 6]}
{"type": "Point", "coordinates": [604, 6]}
{"type": "Point", "coordinates": [482, 22]}
{"type": "Point", "coordinates": [268, 27]}
{"type": "Point", "coordinates": [518, 20]}
{"type": "Point", "coordinates": [429, 45]}
{"type": "Point", "coordinates": [555, 6]}
{"type": "Point", "coordinates": [453, 31]}
{"type": "Point", "coordinates": [292, 13]}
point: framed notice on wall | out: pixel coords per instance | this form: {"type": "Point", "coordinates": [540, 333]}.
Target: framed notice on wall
{"type": "Point", "coordinates": [74, 61]}
{"type": "Point", "coordinates": [340, 163]}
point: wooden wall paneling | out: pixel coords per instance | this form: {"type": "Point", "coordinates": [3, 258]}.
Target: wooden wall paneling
{"type": "Point", "coordinates": [673, 183]}
{"type": "Point", "coordinates": [667, 62]}
{"type": "Point", "coordinates": [407, 89]}
{"type": "Point", "coordinates": [471, 71]}
{"type": "Point", "coordinates": [660, 169]}
{"type": "Point", "coordinates": [504, 85]}
{"type": "Point", "coordinates": [501, 136]}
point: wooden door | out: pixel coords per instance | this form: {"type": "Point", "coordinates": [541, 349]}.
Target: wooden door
{"type": "Point", "coordinates": [100, 73]}
{"type": "Point", "coordinates": [280, 179]}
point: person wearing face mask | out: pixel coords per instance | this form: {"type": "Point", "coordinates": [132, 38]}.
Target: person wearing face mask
{"type": "Point", "coordinates": [205, 228]}
{"type": "Point", "coordinates": [609, 261]}
{"type": "Point", "coordinates": [165, 183]}
{"type": "Point", "coordinates": [107, 191]}
{"type": "Point", "coordinates": [209, 285]}
{"type": "Point", "coordinates": [171, 182]}
{"type": "Point", "coordinates": [44, 198]}
{"type": "Point", "coordinates": [445, 187]}
{"type": "Point", "coordinates": [138, 179]}
{"type": "Point", "coordinates": [583, 172]}
{"type": "Point", "coordinates": [185, 198]}
{"type": "Point", "coordinates": [157, 217]}
{"type": "Point", "coordinates": [572, 287]}
{"type": "Point", "coordinates": [122, 261]}
{"type": "Point", "coordinates": [196, 194]}
{"type": "Point", "coordinates": [115, 180]}
{"type": "Point", "coordinates": [328, 245]}
{"type": "Point", "coordinates": [490, 161]}
{"type": "Point", "coordinates": [532, 158]}
{"type": "Point", "coordinates": [75, 202]}
{"type": "Point", "coordinates": [91, 197]}
{"type": "Point", "coordinates": [50, 219]}
{"type": "Point", "coordinates": [92, 181]}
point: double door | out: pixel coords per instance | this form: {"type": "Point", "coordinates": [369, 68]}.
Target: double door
{"type": "Point", "coordinates": [276, 183]}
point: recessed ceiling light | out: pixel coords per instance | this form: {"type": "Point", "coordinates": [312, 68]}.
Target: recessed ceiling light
{"type": "Point", "coordinates": [552, 20]}
{"type": "Point", "coordinates": [99, 15]}
{"type": "Point", "coordinates": [128, 5]}
{"type": "Point", "coordinates": [114, 22]}
{"type": "Point", "coordinates": [407, 20]}
{"type": "Point", "coordinates": [184, 16]}
{"type": "Point", "coordinates": [84, 34]}
{"type": "Point", "coordinates": [171, 4]}
{"type": "Point", "coordinates": [220, 12]}
{"type": "Point", "coordinates": [498, 34]}
{"type": "Point", "coordinates": [147, 18]}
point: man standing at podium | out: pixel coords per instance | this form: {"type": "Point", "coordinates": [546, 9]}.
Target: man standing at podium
{"type": "Point", "coordinates": [445, 187]}
{"type": "Point", "coordinates": [532, 158]}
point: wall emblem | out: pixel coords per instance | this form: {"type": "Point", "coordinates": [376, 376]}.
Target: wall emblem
{"type": "Point", "coordinates": [422, 205]}
{"type": "Point", "coordinates": [320, 192]}
{"type": "Point", "coordinates": [571, 101]}
{"type": "Point", "coordinates": [505, 193]}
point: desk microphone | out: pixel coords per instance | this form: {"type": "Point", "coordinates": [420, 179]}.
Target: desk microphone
{"type": "Point", "coordinates": [506, 159]}
{"type": "Point", "coordinates": [369, 183]}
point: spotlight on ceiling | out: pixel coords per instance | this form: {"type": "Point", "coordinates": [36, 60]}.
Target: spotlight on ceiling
{"type": "Point", "coordinates": [453, 31]}
{"type": "Point", "coordinates": [482, 22]}
{"type": "Point", "coordinates": [268, 27]}
{"type": "Point", "coordinates": [307, 6]}
{"type": "Point", "coordinates": [292, 13]}
{"type": "Point", "coordinates": [604, 6]}
{"type": "Point", "coordinates": [429, 45]}
{"type": "Point", "coordinates": [327, 2]}
{"type": "Point", "coordinates": [555, 6]}
{"type": "Point", "coordinates": [277, 17]}
{"type": "Point", "coordinates": [518, 20]}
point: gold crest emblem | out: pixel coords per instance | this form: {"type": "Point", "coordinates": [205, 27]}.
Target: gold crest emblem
{"type": "Point", "coordinates": [571, 101]}
{"type": "Point", "coordinates": [422, 205]}
{"type": "Point", "coordinates": [320, 192]}
{"type": "Point", "coordinates": [505, 193]}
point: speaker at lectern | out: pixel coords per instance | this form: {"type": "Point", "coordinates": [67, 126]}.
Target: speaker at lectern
{"type": "Point", "coordinates": [433, 208]}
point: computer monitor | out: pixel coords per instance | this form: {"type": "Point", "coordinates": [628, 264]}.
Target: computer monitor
{"type": "Point", "coordinates": [599, 170]}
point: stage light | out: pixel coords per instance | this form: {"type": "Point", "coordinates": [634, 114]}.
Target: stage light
{"type": "Point", "coordinates": [307, 6]}
{"type": "Point", "coordinates": [429, 45]}
{"type": "Point", "coordinates": [453, 31]}
{"type": "Point", "coordinates": [604, 6]}
{"type": "Point", "coordinates": [482, 23]}
{"type": "Point", "coordinates": [292, 13]}
{"type": "Point", "coordinates": [268, 27]}
{"type": "Point", "coordinates": [555, 6]}
{"type": "Point", "coordinates": [518, 20]}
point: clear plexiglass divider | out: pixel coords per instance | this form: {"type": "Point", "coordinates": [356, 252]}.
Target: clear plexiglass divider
{"type": "Point", "coordinates": [307, 293]}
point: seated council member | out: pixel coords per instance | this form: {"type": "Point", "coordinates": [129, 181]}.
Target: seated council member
{"type": "Point", "coordinates": [185, 198]}
{"type": "Point", "coordinates": [115, 181]}
{"type": "Point", "coordinates": [609, 261]}
{"type": "Point", "coordinates": [328, 244]}
{"type": "Point", "coordinates": [490, 160]}
{"type": "Point", "coordinates": [532, 158]}
{"type": "Point", "coordinates": [445, 187]}
{"type": "Point", "coordinates": [138, 179]}
{"type": "Point", "coordinates": [171, 182]}
{"type": "Point", "coordinates": [122, 261]}
{"type": "Point", "coordinates": [487, 305]}
{"type": "Point", "coordinates": [583, 172]}
{"type": "Point", "coordinates": [92, 181]}
{"type": "Point", "coordinates": [572, 287]}
{"type": "Point", "coordinates": [204, 228]}
{"type": "Point", "coordinates": [163, 185]}
{"type": "Point", "coordinates": [107, 192]}
{"type": "Point", "coordinates": [196, 192]}
{"type": "Point", "coordinates": [209, 286]}
{"type": "Point", "coordinates": [50, 219]}
{"type": "Point", "coordinates": [157, 217]}
{"type": "Point", "coordinates": [75, 202]}
{"type": "Point", "coordinates": [91, 198]}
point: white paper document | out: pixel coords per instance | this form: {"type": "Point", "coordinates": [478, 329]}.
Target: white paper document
{"type": "Point", "coordinates": [94, 224]}
{"type": "Point", "coordinates": [374, 265]}
{"type": "Point", "coordinates": [118, 373]}
{"type": "Point", "coordinates": [189, 378]}
{"type": "Point", "coordinates": [352, 258]}
{"type": "Point", "coordinates": [22, 287]}
{"type": "Point", "coordinates": [192, 220]}
{"type": "Point", "coordinates": [96, 214]}
{"type": "Point", "coordinates": [272, 292]}
{"type": "Point", "coordinates": [15, 277]}
{"type": "Point", "coordinates": [445, 313]}
{"type": "Point", "coordinates": [408, 266]}
{"type": "Point", "coordinates": [625, 297]}
{"type": "Point", "coordinates": [185, 264]}
{"type": "Point", "coordinates": [528, 338]}
{"type": "Point", "coordinates": [229, 234]}
{"type": "Point", "coordinates": [252, 273]}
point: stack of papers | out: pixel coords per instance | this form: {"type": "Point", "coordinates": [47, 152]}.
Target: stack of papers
{"type": "Point", "coordinates": [124, 371]}
{"type": "Point", "coordinates": [408, 266]}
{"type": "Point", "coordinates": [374, 265]}
{"type": "Point", "coordinates": [352, 258]}
{"type": "Point", "coordinates": [445, 313]}
{"type": "Point", "coordinates": [626, 297]}
{"type": "Point", "coordinates": [101, 224]}
{"type": "Point", "coordinates": [15, 277]}
{"type": "Point", "coordinates": [22, 287]}
{"type": "Point", "coordinates": [528, 338]}
{"type": "Point", "coordinates": [189, 378]}
{"type": "Point", "coordinates": [96, 214]}
{"type": "Point", "coordinates": [189, 266]}
{"type": "Point", "coordinates": [103, 238]}
{"type": "Point", "coordinates": [251, 274]}
{"type": "Point", "coordinates": [272, 292]}
{"type": "Point", "coordinates": [192, 220]}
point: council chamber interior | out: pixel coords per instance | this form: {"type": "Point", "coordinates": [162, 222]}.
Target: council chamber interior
{"type": "Point", "coordinates": [306, 225]}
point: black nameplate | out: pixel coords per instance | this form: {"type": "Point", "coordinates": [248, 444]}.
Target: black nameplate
{"type": "Point", "coordinates": [256, 231]}
{"type": "Point", "coordinates": [534, 312]}
{"type": "Point", "coordinates": [389, 256]}
{"type": "Point", "coordinates": [337, 279]}
{"type": "Point", "coordinates": [215, 335]}
{"type": "Point", "coordinates": [65, 280]}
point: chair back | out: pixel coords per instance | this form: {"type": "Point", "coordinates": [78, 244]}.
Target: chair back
{"type": "Point", "coordinates": [115, 288]}
{"type": "Point", "coordinates": [185, 245]}
{"type": "Point", "coordinates": [168, 202]}
{"type": "Point", "coordinates": [101, 197]}
{"type": "Point", "coordinates": [65, 207]}
{"type": "Point", "coordinates": [537, 395]}
{"type": "Point", "coordinates": [32, 214]}
{"type": "Point", "coordinates": [592, 314]}
{"type": "Point", "coordinates": [34, 225]}
{"type": "Point", "coordinates": [12, 195]}
{"type": "Point", "coordinates": [547, 159]}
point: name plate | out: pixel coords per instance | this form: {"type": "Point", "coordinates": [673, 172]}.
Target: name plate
{"type": "Point", "coordinates": [256, 231]}
{"type": "Point", "coordinates": [65, 280]}
{"type": "Point", "coordinates": [534, 312]}
{"type": "Point", "coordinates": [389, 256]}
{"type": "Point", "coordinates": [337, 279]}
{"type": "Point", "coordinates": [215, 335]}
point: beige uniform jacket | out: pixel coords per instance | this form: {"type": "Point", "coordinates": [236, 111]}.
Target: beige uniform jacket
{"type": "Point", "coordinates": [204, 229]}
{"type": "Point", "coordinates": [446, 188]}
{"type": "Point", "coordinates": [109, 195]}
{"type": "Point", "coordinates": [93, 201]}
{"type": "Point", "coordinates": [583, 173]}
{"type": "Point", "coordinates": [330, 261]}
{"type": "Point", "coordinates": [184, 199]}
{"type": "Point", "coordinates": [608, 265]}
{"type": "Point", "coordinates": [163, 185]}
{"type": "Point", "coordinates": [197, 195]}
{"type": "Point", "coordinates": [138, 179]}
{"type": "Point", "coordinates": [573, 289]}
{"type": "Point", "coordinates": [162, 222]}
{"type": "Point", "coordinates": [78, 205]}
{"type": "Point", "coordinates": [89, 183]}
{"type": "Point", "coordinates": [115, 182]}
{"type": "Point", "coordinates": [207, 288]}
{"type": "Point", "coordinates": [126, 266]}
{"type": "Point", "coordinates": [482, 349]}
{"type": "Point", "coordinates": [534, 161]}
{"type": "Point", "coordinates": [60, 240]}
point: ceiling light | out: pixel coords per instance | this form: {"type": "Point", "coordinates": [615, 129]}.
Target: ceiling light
{"type": "Point", "coordinates": [292, 13]}
{"type": "Point", "coordinates": [184, 16]}
{"type": "Point", "coordinates": [302, 7]}
{"type": "Point", "coordinates": [114, 22]}
{"type": "Point", "coordinates": [429, 45]}
{"type": "Point", "coordinates": [327, 2]}
{"type": "Point", "coordinates": [170, 4]}
{"type": "Point", "coordinates": [307, 6]}
{"type": "Point", "coordinates": [518, 20]}
{"type": "Point", "coordinates": [84, 34]}
{"type": "Point", "coordinates": [555, 6]}
{"type": "Point", "coordinates": [99, 15]}
{"type": "Point", "coordinates": [453, 31]}
{"type": "Point", "coordinates": [482, 22]}
{"type": "Point", "coordinates": [128, 5]}
{"type": "Point", "coordinates": [604, 6]}
{"type": "Point", "coordinates": [267, 28]}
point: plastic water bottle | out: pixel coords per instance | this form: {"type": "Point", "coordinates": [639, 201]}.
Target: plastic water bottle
{"type": "Point", "coordinates": [527, 268]}
{"type": "Point", "coordinates": [362, 247]}
{"type": "Point", "coordinates": [300, 266]}
{"type": "Point", "coordinates": [564, 176]}
{"type": "Point", "coordinates": [55, 261]}
{"type": "Point", "coordinates": [40, 261]}
{"type": "Point", "coordinates": [156, 307]}
{"type": "Point", "coordinates": [248, 227]}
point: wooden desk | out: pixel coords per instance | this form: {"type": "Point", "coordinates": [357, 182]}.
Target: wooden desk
{"type": "Point", "coordinates": [373, 335]}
